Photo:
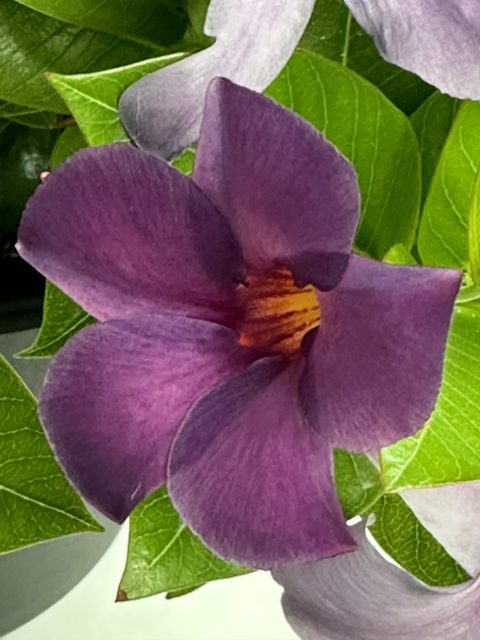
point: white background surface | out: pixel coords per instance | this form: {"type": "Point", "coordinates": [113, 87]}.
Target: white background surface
{"type": "Point", "coordinates": [243, 608]}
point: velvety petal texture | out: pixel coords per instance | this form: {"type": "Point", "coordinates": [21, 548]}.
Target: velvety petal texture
{"type": "Point", "coordinates": [374, 369]}
{"type": "Point", "coordinates": [290, 196]}
{"type": "Point", "coordinates": [124, 233]}
{"type": "Point", "coordinates": [439, 40]}
{"type": "Point", "coordinates": [116, 394]}
{"type": "Point", "coordinates": [251, 478]}
{"type": "Point", "coordinates": [361, 596]}
{"type": "Point", "coordinates": [254, 40]}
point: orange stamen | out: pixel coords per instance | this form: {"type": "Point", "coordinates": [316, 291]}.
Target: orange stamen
{"type": "Point", "coordinates": [277, 314]}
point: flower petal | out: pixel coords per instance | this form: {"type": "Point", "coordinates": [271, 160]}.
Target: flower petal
{"type": "Point", "coordinates": [360, 595]}
{"type": "Point", "coordinates": [251, 479]}
{"type": "Point", "coordinates": [117, 392]}
{"type": "Point", "coordinates": [123, 233]}
{"type": "Point", "coordinates": [254, 40]}
{"type": "Point", "coordinates": [375, 366]}
{"type": "Point", "coordinates": [438, 40]}
{"type": "Point", "coordinates": [290, 196]}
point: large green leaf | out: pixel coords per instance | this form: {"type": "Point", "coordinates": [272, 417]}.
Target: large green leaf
{"type": "Point", "coordinates": [333, 33]}
{"type": "Point", "coordinates": [474, 234]}
{"type": "Point", "coordinates": [71, 140]}
{"type": "Point", "coordinates": [24, 153]}
{"type": "Point", "coordinates": [36, 501]}
{"type": "Point", "coordinates": [62, 318]}
{"type": "Point", "coordinates": [93, 97]}
{"type": "Point", "coordinates": [432, 122]}
{"type": "Point", "coordinates": [372, 133]}
{"type": "Point", "coordinates": [447, 449]}
{"type": "Point", "coordinates": [165, 556]}
{"type": "Point", "coordinates": [358, 483]}
{"type": "Point", "coordinates": [443, 231]}
{"type": "Point", "coordinates": [27, 116]}
{"type": "Point", "coordinates": [159, 22]}
{"type": "Point", "coordinates": [32, 43]}
{"type": "Point", "coordinates": [398, 531]}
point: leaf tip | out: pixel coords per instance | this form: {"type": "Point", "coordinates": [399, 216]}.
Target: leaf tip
{"type": "Point", "coordinates": [122, 595]}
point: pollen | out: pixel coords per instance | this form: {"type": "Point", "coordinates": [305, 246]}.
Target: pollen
{"type": "Point", "coordinates": [276, 313]}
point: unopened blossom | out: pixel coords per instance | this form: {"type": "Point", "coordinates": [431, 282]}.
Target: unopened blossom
{"type": "Point", "coordinates": [253, 41]}
{"type": "Point", "coordinates": [362, 596]}
{"type": "Point", "coordinates": [439, 40]}
{"type": "Point", "coordinates": [239, 339]}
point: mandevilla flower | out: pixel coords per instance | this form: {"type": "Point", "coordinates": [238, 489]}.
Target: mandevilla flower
{"type": "Point", "coordinates": [362, 596]}
{"type": "Point", "coordinates": [254, 40]}
{"type": "Point", "coordinates": [437, 39]}
{"type": "Point", "coordinates": [239, 340]}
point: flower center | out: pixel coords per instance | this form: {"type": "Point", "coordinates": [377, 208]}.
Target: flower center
{"type": "Point", "coordinates": [276, 313]}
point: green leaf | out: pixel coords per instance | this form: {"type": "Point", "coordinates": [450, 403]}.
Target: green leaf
{"type": "Point", "coordinates": [443, 231]}
{"type": "Point", "coordinates": [62, 318]}
{"type": "Point", "coordinates": [36, 501]}
{"type": "Point", "coordinates": [93, 97]}
{"type": "Point", "coordinates": [358, 483]}
{"type": "Point", "coordinates": [32, 43]}
{"type": "Point", "coordinates": [474, 233]}
{"type": "Point", "coordinates": [70, 141]}
{"type": "Point", "coordinates": [372, 133]}
{"type": "Point", "coordinates": [398, 254]}
{"type": "Point", "coordinates": [447, 449]}
{"type": "Point", "coordinates": [24, 153]}
{"type": "Point", "coordinates": [333, 33]}
{"type": "Point", "coordinates": [432, 122]}
{"type": "Point", "coordinates": [398, 531]}
{"type": "Point", "coordinates": [158, 23]}
{"type": "Point", "coordinates": [165, 556]}
{"type": "Point", "coordinates": [26, 116]}
{"type": "Point", "coordinates": [185, 161]}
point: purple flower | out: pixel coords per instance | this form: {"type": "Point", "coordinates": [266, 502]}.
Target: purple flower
{"type": "Point", "coordinates": [253, 41]}
{"type": "Point", "coordinates": [363, 596]}
{"type": "Point", "coordinates": [437, 39]}
{"type": "Point", "coordinates": [239, 340]}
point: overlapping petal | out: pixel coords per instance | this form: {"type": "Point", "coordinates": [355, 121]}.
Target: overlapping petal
{"type": "Point", "coordinates": [123, 233]}
{"type": "Point", "coordinates": [289, 195]}
{"type": "Point", "coordinates": [254, 39]}
{"type": "Point", "coordinates": [437, 39]}
{"type": "Point", "coordinates": [360, 595]}
{"type": "Point", "coordinates": [249, 476]}
{"type": "Point", "coordinates": [375, 366]}
{"type": "Point", "coordinates": [116, 394]}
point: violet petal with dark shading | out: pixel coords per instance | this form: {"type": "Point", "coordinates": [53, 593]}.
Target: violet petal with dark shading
{"type": "Point", "coordinates": [251, 478]}
{"type": "Point", "coordinates": [123, 233]}
{"type": "Point", "coordinates": [289, 194]}
{"type": "Point", "coordinates": [439, 40]}
{"type": "Point", "coordinates": [361, 595]}
{"type": "Point", "coordinates": [254, 40]}
{"type": "Point", "coordinates": [116, 394]}
{"type": "Point", "coordinates": [374, 370]}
